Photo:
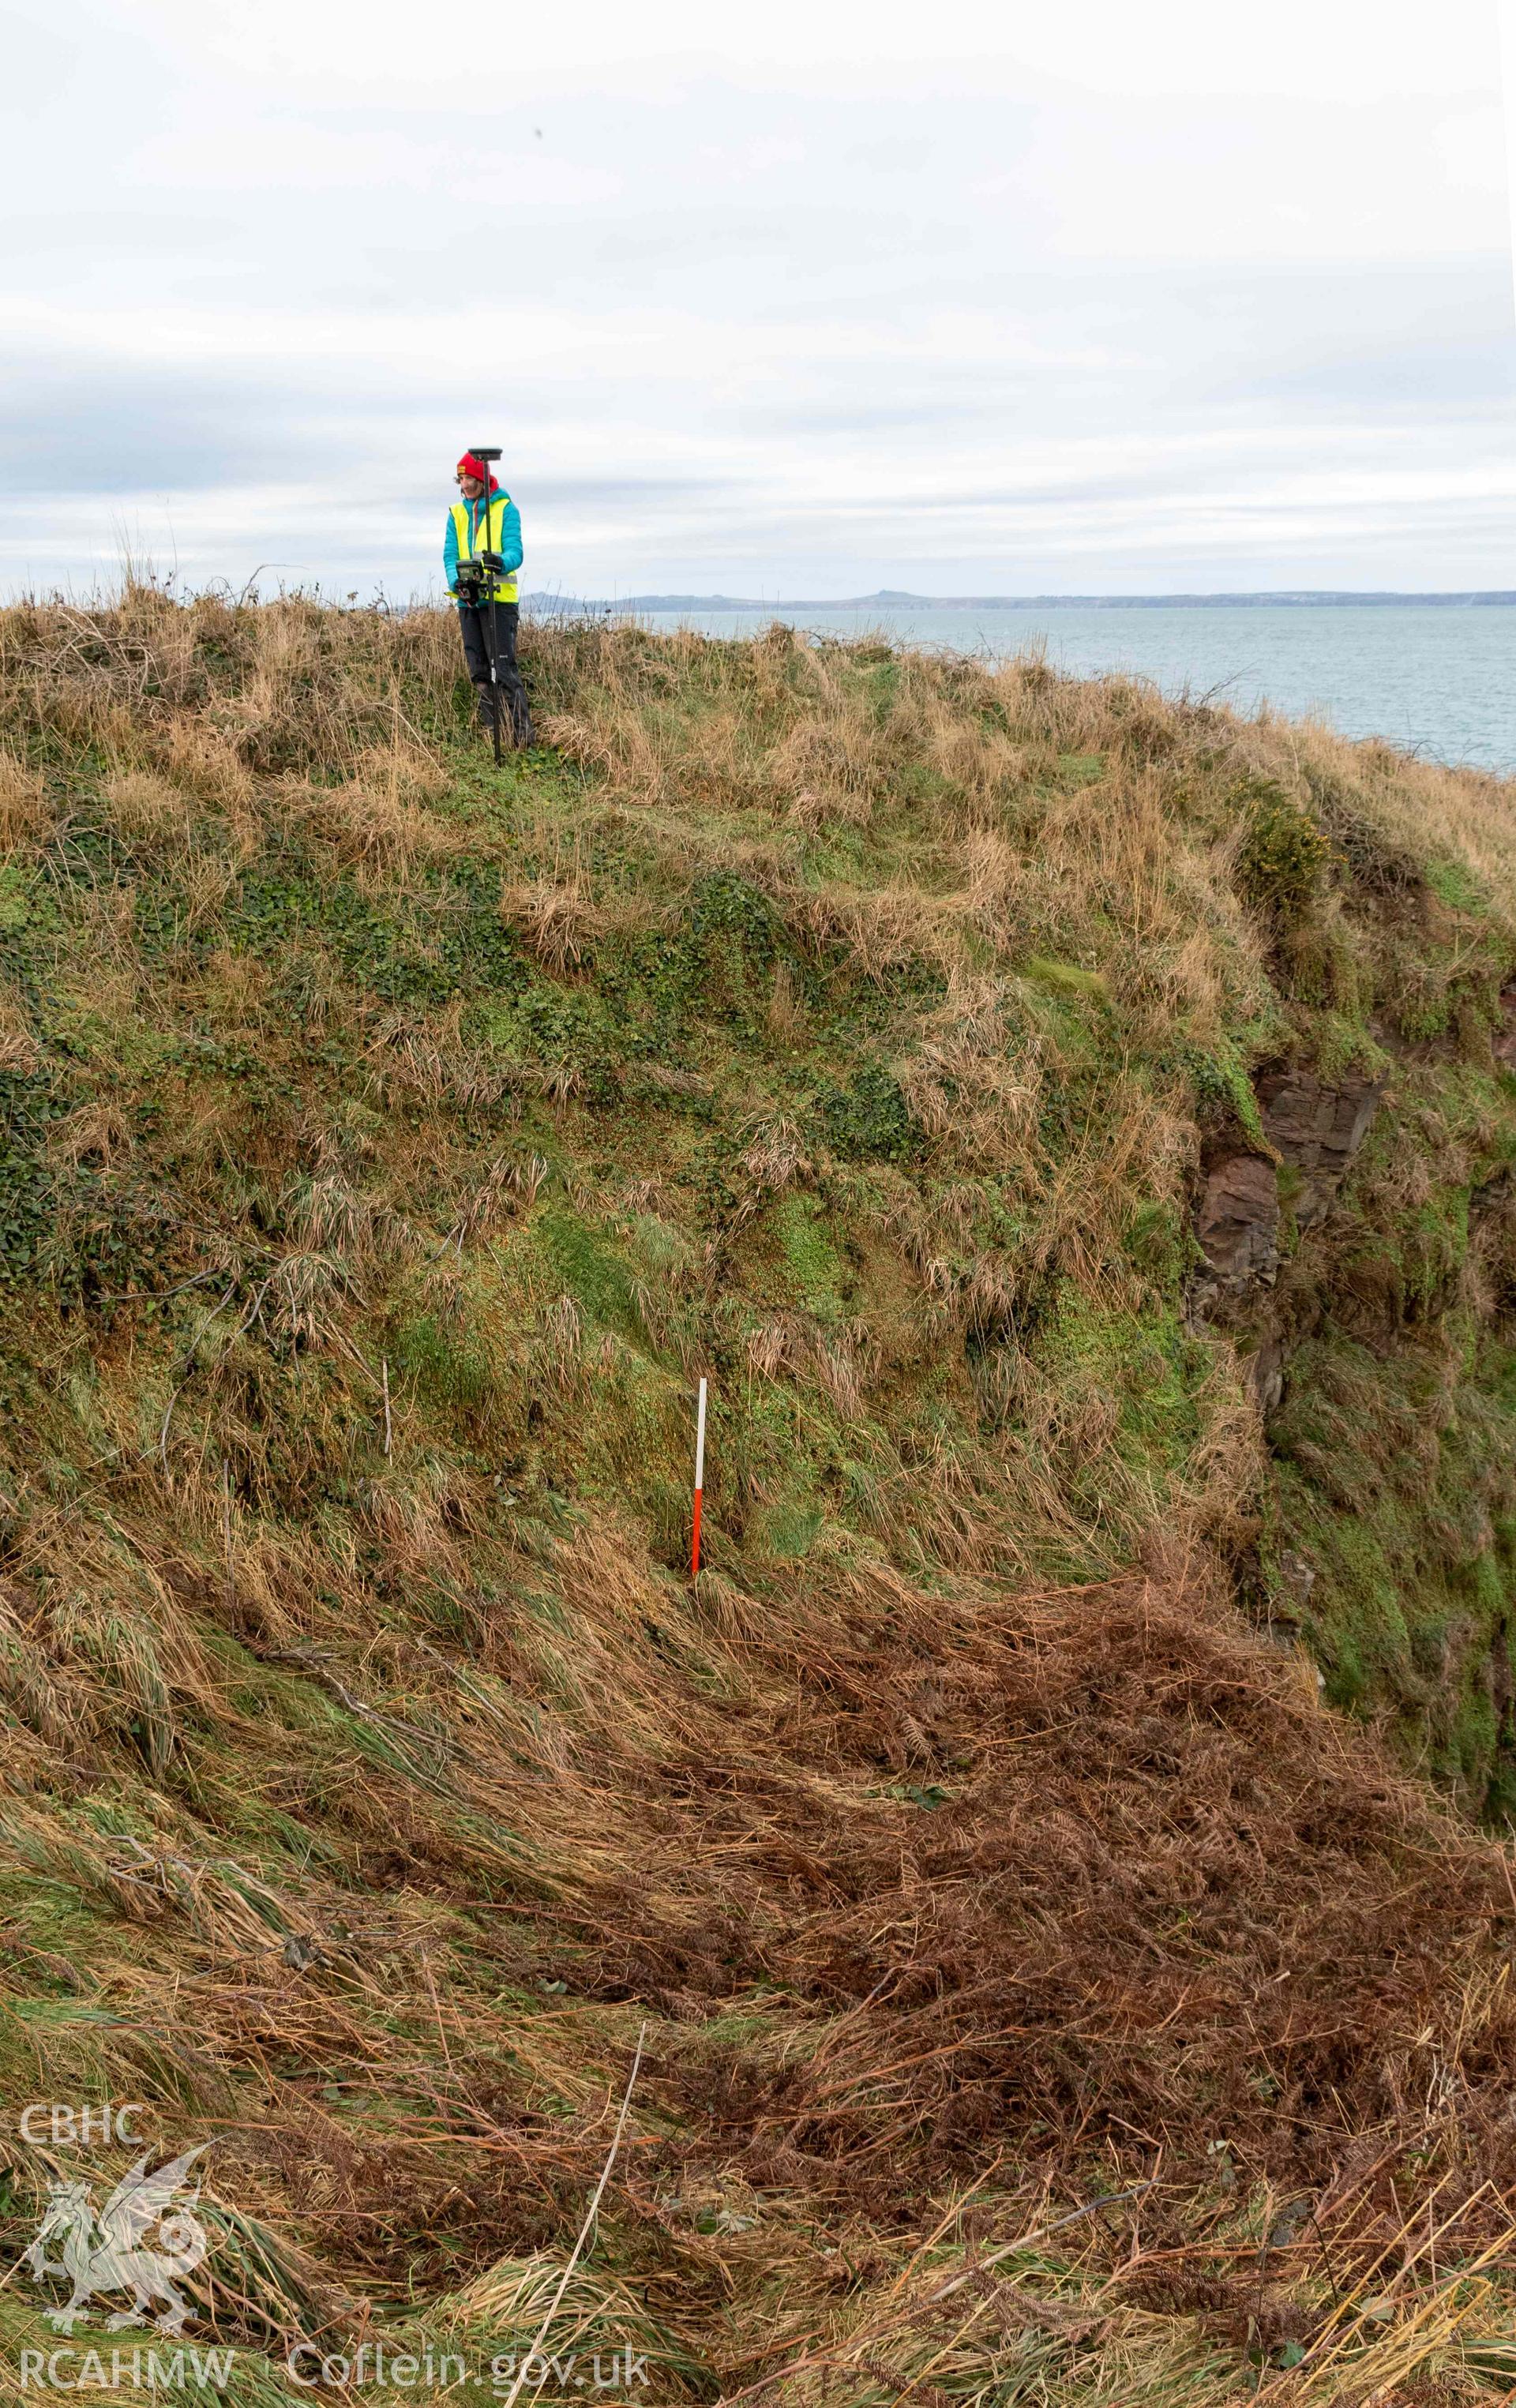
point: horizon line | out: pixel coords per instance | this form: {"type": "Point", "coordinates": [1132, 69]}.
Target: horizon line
{"type": "Point", "coordinates": [892, 598]}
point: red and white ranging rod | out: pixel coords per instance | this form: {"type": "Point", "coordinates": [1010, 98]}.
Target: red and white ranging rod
{"type": "Point", "coordinates": [699, 1482]}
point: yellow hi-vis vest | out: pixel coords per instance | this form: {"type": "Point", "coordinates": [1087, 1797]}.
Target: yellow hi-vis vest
{"type": "Point", "coordinates": [491, 522]}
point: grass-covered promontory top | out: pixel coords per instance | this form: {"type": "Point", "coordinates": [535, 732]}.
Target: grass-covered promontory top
{"type": "Point", "coordinates": [1073, 1132]}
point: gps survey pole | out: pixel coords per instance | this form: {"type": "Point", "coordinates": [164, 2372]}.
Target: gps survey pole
{"type": "Point", "coordinates": [487, 453]}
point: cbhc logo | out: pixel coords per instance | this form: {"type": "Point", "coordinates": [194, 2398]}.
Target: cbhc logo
{"type": "Point", "coordinates": [78, 2126]}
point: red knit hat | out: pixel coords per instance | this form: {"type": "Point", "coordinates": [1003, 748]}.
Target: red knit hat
{"type": "Point", "coordinates": [472, 466]}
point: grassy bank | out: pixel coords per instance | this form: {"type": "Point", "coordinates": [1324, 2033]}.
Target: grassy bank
{"type": "Point", "coordinates": [1072, 1133]}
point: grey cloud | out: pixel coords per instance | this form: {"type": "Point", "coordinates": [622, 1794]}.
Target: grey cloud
{"type": "Point", "coordinates": [742, 335]}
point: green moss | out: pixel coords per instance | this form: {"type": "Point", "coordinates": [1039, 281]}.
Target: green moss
{"type": "Point", "coordinates": [1223, 1091]}
{"type": "Point", "coordinates": [816, 1270]}
{"type": "Point", "coordinates": [1157, 1242]}
{"type": "Point", "coordinates": [1455, 883]}
{"type": "Point", "coordinates": [1366, 1642]}
{"type": "Point", "coordinates": [1081, 768]}
{"type": "Point", "coordinates": [789, 1530]}
{"type": "Point", "coordinates": [1391, 1480]}
{"type": "Point", "coordinates": [1340, 1045]}
{"type": "Point", "coordinates": [1148, 1365]}
{"type": "Point", "coordinates": [586, 1267]}
{"type": "Point", "coordinates": [1065, 978]}
{"type": "Point", "coordinates": [447, 1364]}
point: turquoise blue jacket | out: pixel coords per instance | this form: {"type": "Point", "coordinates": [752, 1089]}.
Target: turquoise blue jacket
{"type": "Point", "coordinates": [511, 540]}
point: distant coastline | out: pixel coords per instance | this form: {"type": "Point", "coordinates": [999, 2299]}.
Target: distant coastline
{"type": "Point", "coordinates": [886, 600]}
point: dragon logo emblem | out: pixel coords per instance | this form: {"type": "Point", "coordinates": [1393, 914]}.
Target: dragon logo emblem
{"type": "Point", "coordinates": [106, 2254]}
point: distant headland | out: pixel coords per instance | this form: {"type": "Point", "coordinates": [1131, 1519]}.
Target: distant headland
{"type": "Point", "coordinates": [888, 600]}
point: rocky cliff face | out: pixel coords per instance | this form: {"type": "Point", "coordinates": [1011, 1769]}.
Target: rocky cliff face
{"type": "Point", "coordinates": [1312, 1129]}
{"type": "Point", "coordinates": [1355, 1247]}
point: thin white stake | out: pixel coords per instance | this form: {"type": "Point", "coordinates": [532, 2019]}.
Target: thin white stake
{"type": "Point", "coordinates": [585, 2230]}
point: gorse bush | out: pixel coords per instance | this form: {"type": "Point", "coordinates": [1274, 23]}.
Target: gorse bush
{"type": "Point", "coordinates": [900, 1044]}
{"type": "Point", "coordinates": [1283, 859]}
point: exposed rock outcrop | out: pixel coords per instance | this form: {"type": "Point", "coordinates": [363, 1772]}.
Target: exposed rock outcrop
{"type": "Point", "coordinates": [1238, 1224]}
{"type": "Point", "coordinates": [1314, 1125]}
{"type": "Point", "coordinates": [1317, 1128]}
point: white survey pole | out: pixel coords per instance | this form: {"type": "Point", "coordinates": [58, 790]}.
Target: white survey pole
{"type": "Point", "coordinates": [699, 1480]}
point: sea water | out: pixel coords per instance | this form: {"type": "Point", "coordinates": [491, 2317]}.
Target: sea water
{"type": "Point", "coordinates": [1438, 678]}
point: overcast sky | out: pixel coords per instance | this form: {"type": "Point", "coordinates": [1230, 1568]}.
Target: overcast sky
{"type": "Point", "coordinates": [806, 298]}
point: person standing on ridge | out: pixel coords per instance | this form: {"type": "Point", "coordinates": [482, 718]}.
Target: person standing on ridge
{"type": "Point", "coordinates": [476, 525]}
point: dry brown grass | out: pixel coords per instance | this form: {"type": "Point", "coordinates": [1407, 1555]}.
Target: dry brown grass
{"type": "Point", "coordinates": [24, 816]}
{"type": "Point", "coordinates": [150, 808]}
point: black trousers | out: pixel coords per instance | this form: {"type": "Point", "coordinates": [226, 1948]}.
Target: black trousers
{"type": "Point", "coordinates": [475, 623]}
